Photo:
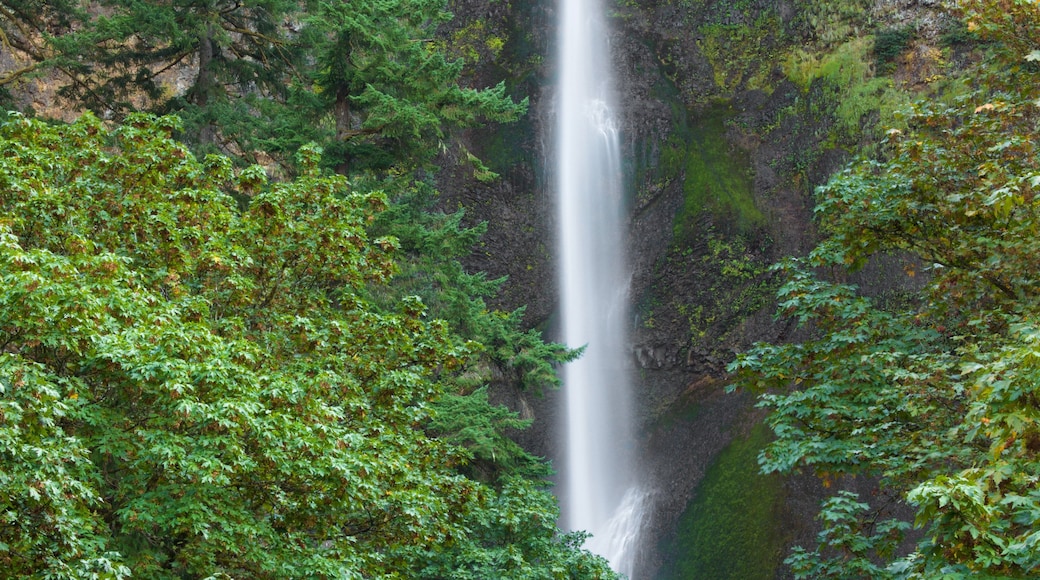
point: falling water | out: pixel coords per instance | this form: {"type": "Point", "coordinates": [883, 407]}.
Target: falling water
{"type": "Point", "coordinates": [601, 495]}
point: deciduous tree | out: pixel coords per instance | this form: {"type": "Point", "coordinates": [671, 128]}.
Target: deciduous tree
{"type": "Point", "coordinates": [192, 382]}
{"type": "Point", "coordinates": [937, 396]}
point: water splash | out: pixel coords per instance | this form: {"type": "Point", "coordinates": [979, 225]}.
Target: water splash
{"type": "Point", "coordinates": [620, 545]}
{"type": "Point", "coordinates": [601, 493]}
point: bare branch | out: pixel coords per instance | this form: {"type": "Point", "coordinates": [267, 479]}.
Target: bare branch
{"type": "Point", "coordinates": [251, 34]}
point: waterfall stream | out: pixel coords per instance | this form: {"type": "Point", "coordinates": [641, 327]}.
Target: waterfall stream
{"type": "Point", "coordinates": [601, 494]}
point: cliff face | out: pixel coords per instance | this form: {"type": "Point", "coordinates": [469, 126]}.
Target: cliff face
{"type": "Point", "coordinates": [733, 112]}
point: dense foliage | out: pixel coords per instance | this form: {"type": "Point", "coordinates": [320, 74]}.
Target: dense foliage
{"type": "Point", "coordinates": [193, 383]}
{"type": "Point", "coordinates": [204, 373]}
{"type": "Point", "coordinates": [256, 79]}
{"type": "Point", "coordinates": [937, 396]}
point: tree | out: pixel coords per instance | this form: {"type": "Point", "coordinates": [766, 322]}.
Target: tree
{"type": "Point", "coordinates": [121, 56]}
{"type": "Point", "coordinates": [192, 382]}
{"type": "Point", "coordinates": [389, 85]}
{"type": "Point", "coordinates": [370, 81]}
{"type": "Point", "coordinates": [937, 396]}
{"type": "Point", "coordinates": [24, 28]}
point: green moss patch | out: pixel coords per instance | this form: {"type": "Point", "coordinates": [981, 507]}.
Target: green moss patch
{"type": "Point", "coordinates": [730, 529]}
{"type": "Point", "coordinates": [847, 77]}
{"type": "Point", "coordinates": [741, 55]}
{"type": "Point", "coordinates": [716, 176]}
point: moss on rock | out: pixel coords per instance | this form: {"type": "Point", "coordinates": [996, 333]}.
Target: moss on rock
{"type": "Point", "coordinates": [716, 177]}
{"type": "Point", "coordinates": [730, 529]}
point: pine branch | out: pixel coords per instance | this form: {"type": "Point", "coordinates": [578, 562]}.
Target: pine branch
{"type": "Point", "coordinates": [177, 60]}
{"type": "Point", "coordinates": [24, 44]}
{"type": "Point", "coordinates": [347, 135]}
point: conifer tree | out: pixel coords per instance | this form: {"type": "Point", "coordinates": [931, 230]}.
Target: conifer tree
{"type": "Point", "coordinates": [26, 28]}
{"type": "Point", "coordinates": [241, 55]}
{"type": "Point", "coordinates": [389, 85]}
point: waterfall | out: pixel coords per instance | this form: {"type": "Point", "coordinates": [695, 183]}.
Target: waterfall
{"type": "Point", "coordinates": [601, 494]}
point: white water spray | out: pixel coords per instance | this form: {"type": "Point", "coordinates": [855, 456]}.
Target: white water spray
{"type": "Point", "coordinates": [601, 493]}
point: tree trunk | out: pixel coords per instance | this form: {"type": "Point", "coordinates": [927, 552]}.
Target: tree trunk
{"type": "Point", "coordinates": [205, 82]}
{"type": "Point", "coordinates": [341, 111]}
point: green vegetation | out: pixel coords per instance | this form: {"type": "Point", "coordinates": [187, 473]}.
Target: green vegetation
{"type": "Point", "coordinates": [888, 45]}
{"type": "Point", "coordinates": [741, 55]}
{"type": "Point", "coordinates": [832, 23]}
{"type": "Point", "coordinates": [715, 176]}
{"type": "Point", "coordinates": [843, 67]}
{"type": "Point", "coordinates": [722, 532]}
{"type": "Point", "coordinates": [226, 352]}
{"type": "Point", "coordinates": [369, 82]}
{"type": "Point", "coordinates": [851, 89]}
{"type": "Point", "coordinates": [936, 397]}
{"type": "Point", "coordinates": [196, 386]}
{"type": "Point", "coordinates": [956, 34]}
{"type": "Point", "coordinates": [475, 43]}
{"type": "Point", "coordinates": [500, 146]}
{"type": "Point", "coordinates": [211, 368]}
{"type": "Point", "coordinates": [739, 286]}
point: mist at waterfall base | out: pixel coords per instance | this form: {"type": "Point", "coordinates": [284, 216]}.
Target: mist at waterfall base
{"type": "Point", "coordinates": [601, 494]}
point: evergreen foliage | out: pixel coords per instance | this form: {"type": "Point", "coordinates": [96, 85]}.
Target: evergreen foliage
{"type": "Point", "coordinates": [888, 45]}
{"type": "Point", "coordinates": [938, 397]}
{"type": "Point", "coordinates": [241, 55]}
{"type": "Point", "coordinates": [24, 28]}
{"type": "Point", "coordinates": [390, 87]}
{"type": "Point", "coordinates": [369, 81]}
